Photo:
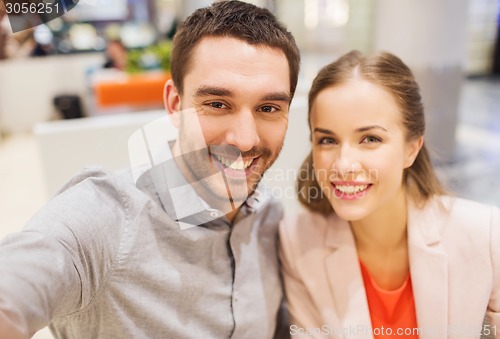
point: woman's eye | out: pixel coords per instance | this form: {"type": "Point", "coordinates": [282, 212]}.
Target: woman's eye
{"type": "Point", "coordinates": [371, 139]}
{"type": "Point", "coordinates": [326, 141]}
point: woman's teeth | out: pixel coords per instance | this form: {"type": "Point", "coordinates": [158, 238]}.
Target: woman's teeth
{"type": "Point", "coordinates": [351, 189]}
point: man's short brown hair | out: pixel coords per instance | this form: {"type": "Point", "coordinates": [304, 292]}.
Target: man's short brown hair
{"type": "Point", "coordinates": [234, 19]}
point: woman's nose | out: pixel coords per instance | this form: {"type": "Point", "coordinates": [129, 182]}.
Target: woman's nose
{"type": "Point", "coordinates": [347, 162]}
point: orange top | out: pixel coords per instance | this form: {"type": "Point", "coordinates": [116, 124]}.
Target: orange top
{"type": "Point", "coordinates": [392, 312]}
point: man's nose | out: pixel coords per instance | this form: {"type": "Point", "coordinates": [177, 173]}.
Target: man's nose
{"type": "Point", "coordinates": [243, 132]}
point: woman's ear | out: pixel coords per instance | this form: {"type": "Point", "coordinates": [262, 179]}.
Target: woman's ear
{"type": "Point", "coordinates": [171, 97]}
{"type": "Point", "coordinates": [412, 149]}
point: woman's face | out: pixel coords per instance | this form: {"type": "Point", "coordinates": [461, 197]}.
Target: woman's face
{"type": "Point", "coordinates": [359, 148]}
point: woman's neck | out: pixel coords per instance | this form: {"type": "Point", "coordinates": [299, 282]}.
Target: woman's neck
{"type": "Point", "coordinates": [385, 229]}
{"type": "Point", "coordinates": [381, 242]}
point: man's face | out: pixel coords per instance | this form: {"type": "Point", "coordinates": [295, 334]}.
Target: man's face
{"type": "Point", "coordinates": [240, 94]}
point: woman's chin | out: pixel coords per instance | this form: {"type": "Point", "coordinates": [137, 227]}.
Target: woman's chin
{"type": "Point", "coordinates": [350, 213]}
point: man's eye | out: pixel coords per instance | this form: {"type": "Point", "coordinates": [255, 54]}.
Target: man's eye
{"type": "Point", "coordinates": [268, 109]}
{"type": "Point", "coordinates": [216, 104]}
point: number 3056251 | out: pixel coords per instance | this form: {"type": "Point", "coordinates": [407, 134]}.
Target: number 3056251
{"type": "Point", "coordinates": [31, 8]}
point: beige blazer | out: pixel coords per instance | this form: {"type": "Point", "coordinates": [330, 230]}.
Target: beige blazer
{"type": "Point", "coordinates": [454, 255]}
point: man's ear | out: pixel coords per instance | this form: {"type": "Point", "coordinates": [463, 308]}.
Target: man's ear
{"type": "Point", "coordinates": [171, 97]}
{"type": "Point", "coordinates": [413, 147]}
{"type": "Point", "coordinates": [172, 102]}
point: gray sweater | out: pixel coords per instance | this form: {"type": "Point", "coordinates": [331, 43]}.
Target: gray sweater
{"type": "Point", "coordinates": [103, 259]}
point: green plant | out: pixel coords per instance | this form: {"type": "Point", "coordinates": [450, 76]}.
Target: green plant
{"type": "Point", "coordinates": [151, 57]}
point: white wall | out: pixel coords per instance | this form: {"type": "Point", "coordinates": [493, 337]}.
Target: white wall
{"type": "Point", "coordinates": [66, 146]}
{"type": "Point", "coordinates": [325, 30]}
{"type": "Point", "coordinates": [481, 34]}
{"type": "Point", "coordinates": [430, 37]}
{"type": "Point", "coordinates": [28, 85]}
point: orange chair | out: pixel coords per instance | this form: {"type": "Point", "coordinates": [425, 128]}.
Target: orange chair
{"type": "Point", "coordinates": [145, 89]}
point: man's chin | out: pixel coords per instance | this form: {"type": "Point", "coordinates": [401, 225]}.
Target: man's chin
{"type": "Point", "coordinates": [223, 199]}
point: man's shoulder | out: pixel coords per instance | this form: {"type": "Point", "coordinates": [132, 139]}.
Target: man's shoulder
{"type": "Point", "coordinates": [100, 185]}
{"type": "Point", "coordinates": [97, 178]}
{"type": "Point", "coordinates": [92, 201]}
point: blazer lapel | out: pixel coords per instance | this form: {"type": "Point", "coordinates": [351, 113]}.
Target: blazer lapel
{"type": "Point", "coordinates": [428, 269]}
{"type": "Point", "coordinates": [345, 280]}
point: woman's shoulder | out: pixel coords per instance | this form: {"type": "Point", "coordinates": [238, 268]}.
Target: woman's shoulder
{"type": "Point", "coordinates": [303, 219]}
{"type": "Point", "coordinates": [450, 214]}
{"type": "Point", "coordinates": [306, 228]}
{"type": "Point", "coordinates": [461, 209]}
{"type": "Point", "coordinates": [300, 233]}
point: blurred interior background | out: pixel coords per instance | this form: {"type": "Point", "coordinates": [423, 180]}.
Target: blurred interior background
{"type": "Point", "coordinates": [74, 89]}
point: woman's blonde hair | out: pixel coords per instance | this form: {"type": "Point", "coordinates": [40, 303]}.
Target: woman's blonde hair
{"type": "Point", "coordinates": [389, 72]}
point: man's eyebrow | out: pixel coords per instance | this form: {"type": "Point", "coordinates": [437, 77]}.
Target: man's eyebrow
{"type": "Point", "coordinates": [215, 91]}
{"type": "Point", "coordinates": [367, 128]}
{"type": "Point", "coordinates": [278, 96]}
{"type": "Point", "coordinates": [223, 92]}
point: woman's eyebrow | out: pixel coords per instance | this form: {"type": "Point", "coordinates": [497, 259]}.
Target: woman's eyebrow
{"type": "Point", "coordinates": [367, 128]}
{"type": "Point", "coordinates": [357, 130]}
{"type": "Point", "coordinates": [322, 130]}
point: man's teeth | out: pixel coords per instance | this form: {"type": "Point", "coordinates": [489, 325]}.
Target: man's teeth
{"type": "Point", "coordinates": [351, 189]}
{"type": "Point", "coordinates": [238, 164]}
